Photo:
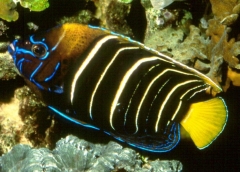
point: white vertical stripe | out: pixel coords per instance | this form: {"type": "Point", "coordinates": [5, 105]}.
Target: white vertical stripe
{"type": "Point", "coordinates": [157, 94]}
{"type": "Point", "coordinates": [148, 88]}
{"type": "Point", "coordinates": [124, 81]}
{"type": "Point", "coordinates": [87, 60]}
{"type": "Point", "coordinates": [167, 98]}
{"type": "Point", "coordinates": [180, 102]}
{"type": "Point", "coordinates": [104, 72]}
{"type": "Point", "coordinates": [129, 103]}
{"type": "Point", "coordinates": [198, 92]}
{"type": "Point", "coordinates": [59, 40]}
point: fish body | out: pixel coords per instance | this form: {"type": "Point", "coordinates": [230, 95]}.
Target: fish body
{"type": "Point", "coordinates": [105, 81]}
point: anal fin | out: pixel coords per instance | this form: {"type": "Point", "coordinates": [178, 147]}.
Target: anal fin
{"type": "Point", "coordinates": [164, 142]}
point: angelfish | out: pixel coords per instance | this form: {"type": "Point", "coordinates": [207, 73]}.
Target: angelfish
{"type": "Point", "coordinates": [103, 80]}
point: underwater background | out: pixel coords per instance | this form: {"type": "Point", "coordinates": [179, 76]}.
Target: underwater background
{"type": "Point", "coordinates": [203, 34]}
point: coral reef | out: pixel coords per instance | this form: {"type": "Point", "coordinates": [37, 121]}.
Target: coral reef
{"type": "Point", "coordinates": [19, 121]}
{"type": "Point", "coordinates": [7, 68]}
{"type": "Point", "coordinates": [73, 154]}
{"type": "Point", "coordinates": [221, 46]}
{"type": "Point", "coordinates": [39, 125]}
{"type": "Point", "coordinates": [32, 26]}
{"type": "Point", "coordinates": [196, 51]}
{"type": "Point", "coordinates": [234, 76]}
{"type": "Point", "coordinates": [160, 4]}
{"type": "Point", "coordinates": [168, 32]}
{"type": "Point", "coordinates": [224, 8]}
{"type": "Point", "coordinates": [83, 16]}
{"type": "Point", "coordinates": [3, 28]}
{"type": "Point", "coordinates": [112, 15]}
{"type": "Point", "coordinates": [11, 125]}
{"type": "Point", "coordinates": [202, 47]}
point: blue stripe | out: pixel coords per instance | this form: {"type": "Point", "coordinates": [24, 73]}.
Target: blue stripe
{"type": "Point", "coordinates": [54, 72]}
{"type": "Point", "coordinates": [72, 119]}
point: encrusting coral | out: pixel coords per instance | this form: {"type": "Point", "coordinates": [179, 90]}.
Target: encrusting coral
{"type": "Point", "coordinates": [204, 48]}
{"type": "Point", "coordinates": [7, 10]}
{"type": "Point", "coordinates": [224, 8]}
{"type": "Point", "coordinates": [7, 68]}
{"type": "Point", "coordinates": [113, 14]}
{"type": "Point", "coordinates": [223, 47]}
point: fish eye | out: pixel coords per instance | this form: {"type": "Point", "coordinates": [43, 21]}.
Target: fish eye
{"type": "Point", "coordinates": [39, 50]}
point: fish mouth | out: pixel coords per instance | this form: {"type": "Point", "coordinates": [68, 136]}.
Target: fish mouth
{"type": "Point", "coordinates": [12, 47]}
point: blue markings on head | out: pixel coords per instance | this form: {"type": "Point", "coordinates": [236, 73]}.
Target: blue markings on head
{"type": "Point", "coordinates": [23, 51]}
{"type": "Point", "coordinates": [54, 72]}
{"type": "Point", "coordinates": [35, 71]}
{"type": "Point", "coordinates": [54, 48]}
{"type": "Point", "coordinates": [32, 75]}
{"type": "Point", "coordinates": [38, 85]}
{"type": "Point", "coordinates": [38, 42]}
{"type": "Point", "coordinates": [30, 52]}
{"type": "Point", "coordinates": [45, 57]}
{"type": "Point", "coordinates": [20, 63]}
{"type": "Point", "coordinates": [36, 53]}
{"type": "Point", "coordinates": [20, 68]}
{"type": "Point", "coordinates": [56, 89]}
{"type": "Point", "coordinates": [72, 119]}
{"type": "Point", "coordinates": [59, 90]}
{"type": "Point", "coordinates": [42, 44]}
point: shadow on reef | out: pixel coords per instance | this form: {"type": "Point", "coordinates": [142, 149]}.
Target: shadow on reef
{"type": "Point", "coordinates": [8, 87]}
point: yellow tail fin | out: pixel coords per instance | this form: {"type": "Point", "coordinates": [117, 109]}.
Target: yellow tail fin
{"type": "Point", "coordinates": [205, 121]}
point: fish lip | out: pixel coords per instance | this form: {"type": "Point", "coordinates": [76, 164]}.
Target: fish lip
{"type": "Point", "coordinates": [11, 48]}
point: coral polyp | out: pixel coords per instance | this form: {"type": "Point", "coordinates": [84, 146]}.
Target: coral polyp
{"type": "Point", "coordinates": [168, 15]}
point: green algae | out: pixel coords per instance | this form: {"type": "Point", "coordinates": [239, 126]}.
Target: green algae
{"type": "Point", "coordinates": [125, 1]}
{"type": "Point", "coordinates": [35, 5]}
{"type": "Point", "coordinates": [8, 12]}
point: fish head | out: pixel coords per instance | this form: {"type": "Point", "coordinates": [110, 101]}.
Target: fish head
{"type": "Point", "coordinates": [44, 58]}
{"type": "Point", "coordinates": [38, 58]}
